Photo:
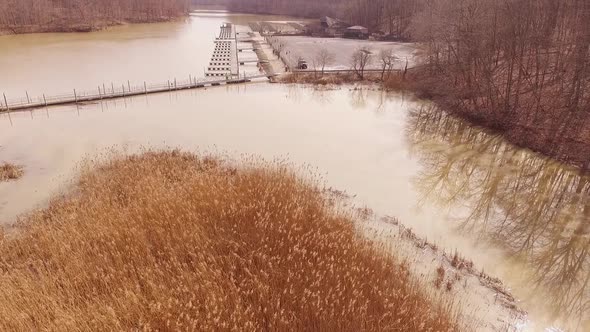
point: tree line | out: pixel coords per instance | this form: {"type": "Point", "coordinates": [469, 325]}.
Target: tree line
{"type": "Point", "coordinates": [521, 66]}
{"type": "Point", "coordinates": [389, 16]}
{"type": "Point", "coordinates": [63, 15]}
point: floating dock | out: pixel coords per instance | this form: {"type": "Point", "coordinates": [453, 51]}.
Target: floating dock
{"type": "Point", "coordinates": [224, 58]}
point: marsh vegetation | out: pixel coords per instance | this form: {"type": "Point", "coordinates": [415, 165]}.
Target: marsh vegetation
{"type": "Point", "coordinates": [170, 240]}
{"type": "Point", "coordinates": [9, 171]}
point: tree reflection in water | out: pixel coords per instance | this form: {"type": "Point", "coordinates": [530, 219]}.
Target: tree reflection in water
{"type": "Point", "coordinates": [534, 207]}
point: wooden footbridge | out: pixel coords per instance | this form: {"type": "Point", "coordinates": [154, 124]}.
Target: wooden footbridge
{"type": "Point", "coordinates": [110, 92]}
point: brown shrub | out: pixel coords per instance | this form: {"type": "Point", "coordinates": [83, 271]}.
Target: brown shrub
{"type": "Point", "coordinates": [440, 276]}
{"type": "Point", "coordinates": [460, 263]}
{"type": "Point", "coordinates": [318, 78]}
{"type": "Point", "coordinates": [169, 241]}
{"type": "Point", "coordinates": [449, 285]}
{"type": "Point", "coordinates": [396, 82]}
{"type": "Point", "coordinates": [10, 172]}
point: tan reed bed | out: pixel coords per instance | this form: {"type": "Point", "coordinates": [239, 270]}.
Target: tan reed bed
{"type": "Point", "coordinates": [10, 171]}
{"type": "Point", "coordinates": [170, 241]}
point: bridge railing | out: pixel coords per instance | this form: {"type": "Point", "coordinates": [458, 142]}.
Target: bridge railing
{"type": "Point", "coordinates": [113, 91]}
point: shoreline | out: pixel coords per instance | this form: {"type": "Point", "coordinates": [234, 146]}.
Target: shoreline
{"type": "Point", "coordinates": [80, 27]}
{"type": "Point", "coordinates": [483, 302]}
{"type": "Point", "coordinates": [531, 141]}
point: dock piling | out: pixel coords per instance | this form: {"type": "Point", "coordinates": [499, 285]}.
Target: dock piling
{"type": "Point", "coordinates": [6, 103]}
{"type": "Point", "coordinates": [7, 109]}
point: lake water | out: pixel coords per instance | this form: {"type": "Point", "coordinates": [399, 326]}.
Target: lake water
{"type": "Point", "coordinates": [57, 63]}
{"type": "Point", "coordinates": [517, 215]}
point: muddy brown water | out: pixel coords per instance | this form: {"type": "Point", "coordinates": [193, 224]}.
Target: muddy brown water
{"type": "Point", "coordinates": [519, 216]}
{"type": "Point", "coordinates": [57, 63]}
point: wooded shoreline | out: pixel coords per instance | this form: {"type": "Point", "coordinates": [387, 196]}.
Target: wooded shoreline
{"type": "Point", "coordinates": [519, 67]}
{"type": "Point", "coordinates": [65, 28]}
{"type": "Point", "coordinates": [570, 150]}
{"type": "Point", "coordinates": [37, 16]}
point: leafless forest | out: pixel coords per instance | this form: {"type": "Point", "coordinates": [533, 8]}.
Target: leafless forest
{"type": "Point", "coordinates": [390, 16]}
{"type": "Point", "coordinates": [20, 16]}
{"type": "Point", "coordinates": [519, 66]}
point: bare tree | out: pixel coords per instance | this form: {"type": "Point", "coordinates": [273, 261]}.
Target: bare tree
{"type": "Point", "coordinates": [322, 59]}
{"type": "Point", "coordinates": [360, 59]}
{"type": "Point", "coordinates": [280, 46]}
{"type": "Point", "coordinates": [387, 59]}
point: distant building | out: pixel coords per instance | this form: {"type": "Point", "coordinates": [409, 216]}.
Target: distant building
{"type": "Point", "coordinates": [329, 22]}
{"type": "Point", "coordinates": [328, 27]}
{"type": "Point", "coordinates": [356, 31]}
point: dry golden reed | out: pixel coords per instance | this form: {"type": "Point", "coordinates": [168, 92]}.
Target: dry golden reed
{"type": "Point", "coordinates": [170, 241]}
{"type": "Point", "coordinates": [10, 172]}
{"type": "Point", "coordinates": [318, 78]}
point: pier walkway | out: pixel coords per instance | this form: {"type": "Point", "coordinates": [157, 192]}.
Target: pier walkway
{"type": "Point", "coordinates": [110, 92]}
{"type": "Point", "coordinates": [235, 47]}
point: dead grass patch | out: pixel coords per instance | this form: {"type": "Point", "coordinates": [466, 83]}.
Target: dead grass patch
{"type": "Point", "coordinates": [319, 79]}
{"type": "Point", "coordinates": [390, 82]}
{"type": "Point", "coordinates": [440, 276]}
{"type": "Point", "coordinates": [10, 172]}
{"type": "Point", "coordinates": [401, 82]}
{"type": "Point", "coordinates": [170, 241]}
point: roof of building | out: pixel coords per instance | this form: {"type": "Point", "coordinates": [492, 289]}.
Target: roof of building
{"type": "Point", "coordinates": [332, 22]}
{"type": "Point", "coordinates": [357, 27]}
